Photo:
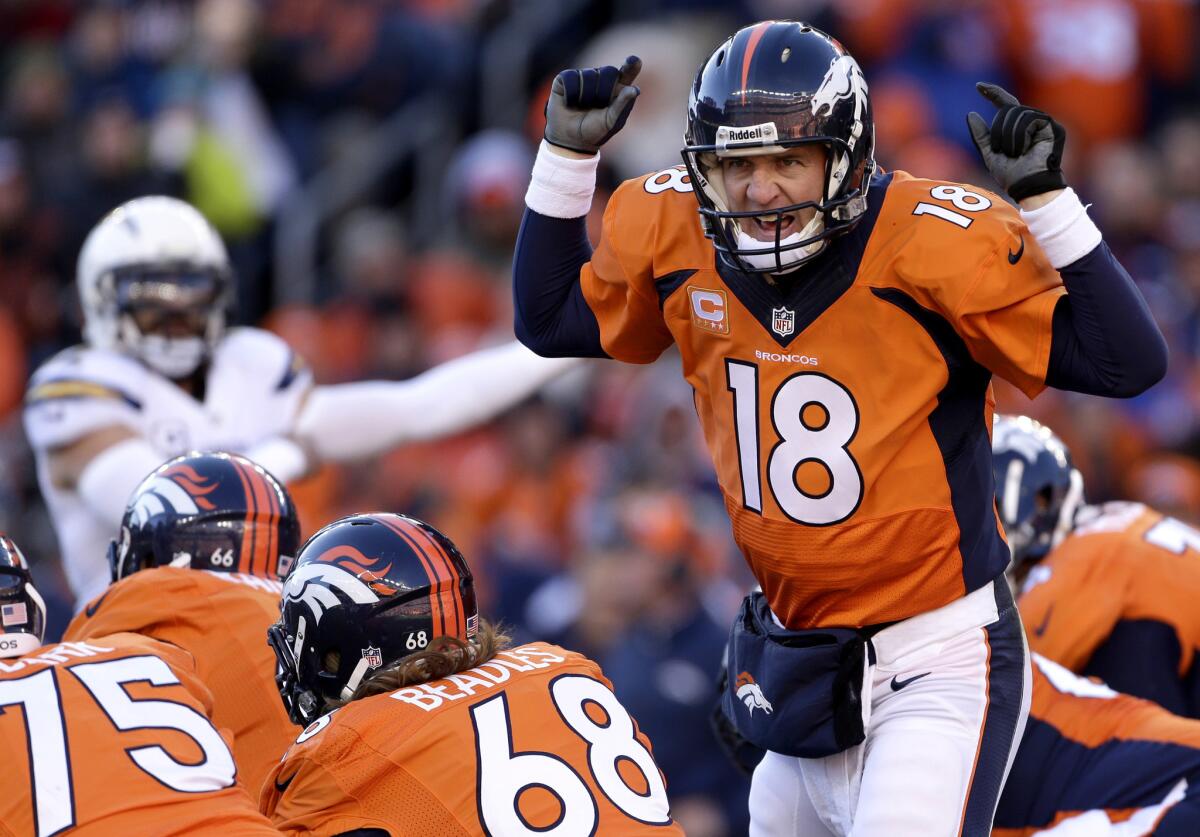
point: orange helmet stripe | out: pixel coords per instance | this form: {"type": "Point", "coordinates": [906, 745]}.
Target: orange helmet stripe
{"type": "Point", "coordinates": [440, 569]}
{"type": "Point", "coordinates": [271, 559]}
{"type": "Point", "coordinates": [245, 552]}
{"type": "Point", "coordinates": [755, 35]}
{"type": "Point", "coordinates": [434, 605]}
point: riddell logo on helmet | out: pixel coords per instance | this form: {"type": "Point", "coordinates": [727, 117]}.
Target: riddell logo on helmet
{"type": "Point", "coordinates": [753, 135]}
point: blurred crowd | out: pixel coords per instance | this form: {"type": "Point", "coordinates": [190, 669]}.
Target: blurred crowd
{"type": "Point", "coordinates": [366, 161]}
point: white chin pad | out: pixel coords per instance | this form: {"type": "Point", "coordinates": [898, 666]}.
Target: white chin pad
{"type": "Point", "coordinates": [790, 259]}
{"type": "Point", "coordinates": [174, 357]}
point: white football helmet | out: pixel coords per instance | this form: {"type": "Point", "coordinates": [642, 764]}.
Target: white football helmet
{"type": "Point", "coordinates": [154, 256]}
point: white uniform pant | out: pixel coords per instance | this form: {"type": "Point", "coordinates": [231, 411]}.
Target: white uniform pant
{"type": "Point", "coordinates": [945, 703]}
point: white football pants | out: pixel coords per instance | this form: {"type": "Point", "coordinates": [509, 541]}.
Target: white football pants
{"type": "Point", "coordinates": [945, 703]}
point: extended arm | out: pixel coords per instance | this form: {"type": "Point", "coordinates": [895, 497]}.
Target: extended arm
{"type": "Point", "coordinates": [104, 467]}
{"type": "Point", "coordinates": [353, 421]}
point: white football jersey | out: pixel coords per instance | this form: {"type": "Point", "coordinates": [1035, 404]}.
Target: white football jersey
{"type": "Point", "coordinates": [254, 389]}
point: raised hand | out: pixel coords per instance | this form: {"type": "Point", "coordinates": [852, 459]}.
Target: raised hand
{"type": "Point", "coordinates": [586, 107]}
{"type": "Point", "coordinates": [1022, 147]}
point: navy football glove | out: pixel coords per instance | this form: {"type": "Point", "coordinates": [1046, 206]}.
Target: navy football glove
{"type": "Point", "coordinates": [587, 107]}
{"type": "Point", "coordinates": [1022, 149]}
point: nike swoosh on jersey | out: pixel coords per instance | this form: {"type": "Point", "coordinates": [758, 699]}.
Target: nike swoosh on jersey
{"type": "Point", "coordinates": [898, 684]}
{"type": "Point", "coordinates": [1013, 258]}
{"type": "Point", "coordinates": [1041, 629]}
{"type": "Point", "coordinates": [94, 605]}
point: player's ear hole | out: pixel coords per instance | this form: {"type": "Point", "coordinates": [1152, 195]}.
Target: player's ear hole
{"type": "Point", "coordinates": [332, 660]}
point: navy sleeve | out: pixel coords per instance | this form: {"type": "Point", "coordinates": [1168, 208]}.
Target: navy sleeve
{"type": "Point", "coordinates": [551, 316]}
{"type": "Point", "coordinates": [1104, 340]}
{"type": "Point", "coordinates": [1141, 658]}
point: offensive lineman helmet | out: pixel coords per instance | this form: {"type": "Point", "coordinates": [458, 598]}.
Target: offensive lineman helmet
{"type": "Point", "coordinates": [149, 263]}
{"type": "Point", "coordinates": [22, 611]}
{"type": "Point", "coordinates": [208, 511]}
{"type": "Point", "coordinates": [366, 591]}
{"type": "Point", "coordinates": [770, 87]}
{"type": "Point", "coordinates": [1038, 490]}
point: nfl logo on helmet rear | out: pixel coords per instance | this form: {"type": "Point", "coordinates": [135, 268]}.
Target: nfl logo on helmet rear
{"type": "Point", "coordinates": [373, 656]}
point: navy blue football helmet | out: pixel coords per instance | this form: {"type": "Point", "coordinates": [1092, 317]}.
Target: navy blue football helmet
{"type": "Point", "coordinates": [770, 87]}
{"type": "Point", "coordinates": [366, 591]}
{"type": "Point", "coordinates": [1038, 490]}
{"type": "Point", "coordinates": [22, 611]}
{"type": "Point", "coordinates": [208, 511]}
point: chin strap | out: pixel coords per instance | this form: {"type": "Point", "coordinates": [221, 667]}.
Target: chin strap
{"type": "Point", "coordinates": [790, 259]}
{"type": "Point", "coordinates": [356, 676]}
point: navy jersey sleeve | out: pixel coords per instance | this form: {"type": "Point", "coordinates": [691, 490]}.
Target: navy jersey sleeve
{"type": "Point", "coordinates": [1104, 339]}
{"type": "Point", "coordinates": [552, 317]}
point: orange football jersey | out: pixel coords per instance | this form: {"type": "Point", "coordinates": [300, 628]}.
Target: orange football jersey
{"type": "Point", "coordinates": [1125, 563]}
{"type": "Point", "coordinates": [532, 739]}
{"type": "Point", "coordinates": [1087, 748]}
{"type": "Point", "coordinates": [112, 736]}
{"type": "Point", "coordinates": [221, 619]}
{"type": "Point", "coordinates": [847, 411]}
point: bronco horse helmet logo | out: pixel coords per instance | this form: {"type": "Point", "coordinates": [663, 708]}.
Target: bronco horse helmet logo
{"type": "Point", "coordinates": [751, 694]}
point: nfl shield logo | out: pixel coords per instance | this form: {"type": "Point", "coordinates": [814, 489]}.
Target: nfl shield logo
{"type": "Point", "coordinates": [783, 321]}
{"type": "Point", "coordinates": [373, 656]}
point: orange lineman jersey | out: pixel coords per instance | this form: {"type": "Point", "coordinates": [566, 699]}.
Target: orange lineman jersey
{"type": "Point", "coordinates": [1087, 750]}
{"type": "Point", "coordinates": [112, 736]}
{"type": "Point", "coordinates": [222, 619]}
{"type": "Point", "coordinates": [1125, 563]}
{"type": "Point", "coordinates": [533, 739]}
{"type": "Point", "coordinates": [848, 414]}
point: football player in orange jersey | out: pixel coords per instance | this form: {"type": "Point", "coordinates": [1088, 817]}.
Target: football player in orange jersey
{"type": "Point", "coordinates": [109, 736]}
{"type": "Point", "coordinates": [422, 720]}
{"type": "Point", "coordinates": [840, 327]}
{"type": "Point", "coordinates": [203, 543]}
{"type": "Point", "coordinates": [1096, 762]}
{"type": "Point", "coordinates": [1106, 590]}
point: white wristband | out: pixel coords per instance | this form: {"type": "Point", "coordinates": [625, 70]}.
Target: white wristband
{"type": "Point", "coordinates": [281, 457]}
{"type": "Point", "coordinates": [1063, 229]}
{"type": "Point", "coordinates": [561, 187]}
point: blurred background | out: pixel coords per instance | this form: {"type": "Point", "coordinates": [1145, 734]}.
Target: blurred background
{"type": "Point", "coordinates": [366, 162]}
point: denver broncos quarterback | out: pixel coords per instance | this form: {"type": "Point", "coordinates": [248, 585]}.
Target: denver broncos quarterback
{"type": "Point", "coordinates": [159, 374]}
{"type": "Point", "coordinates": [840, 327]}
{"type": "Point", "coordinates": [203, 544]}
{"type": "Point", "coordinates": [108, 736]}
{"type": "Point", "coordinates": [423, 720]}
{"type": "Point", "coordinates": [1108, 590]}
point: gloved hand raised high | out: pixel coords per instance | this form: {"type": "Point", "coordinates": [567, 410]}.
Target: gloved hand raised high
{"type": "Point", "coordinates": [586, 107]}
{"type": "Point", "coordinates": [1022, 148]}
